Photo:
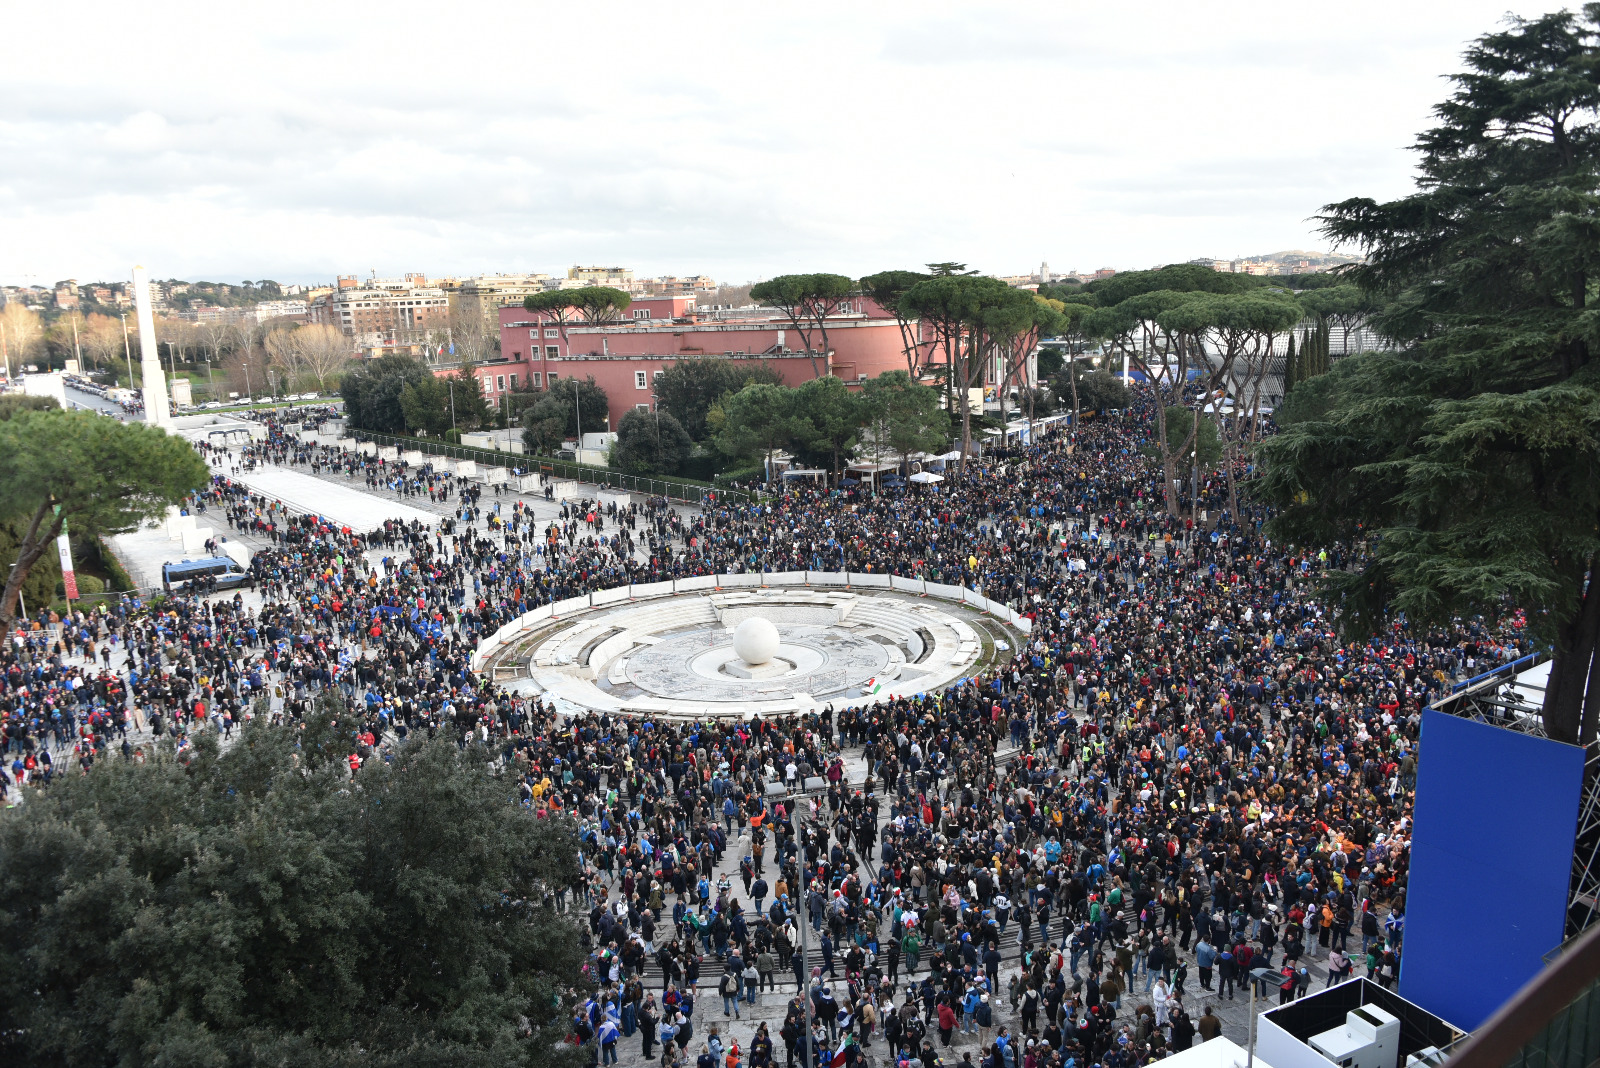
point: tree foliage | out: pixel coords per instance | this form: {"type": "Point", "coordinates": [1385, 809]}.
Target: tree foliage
{"type": "Point", "coordinates": [650, 443]}
{"type": "Point", "coordinates": [807, 300]}
{"type": "Point", "coordinates": [13, 403]}
{"type": "Point", "coordinates": [689, 388]}
{"type": "Point", "coordinates": [568, 406]}
{"type": "Point", "coordinates": [438, 403]}
{"type": "Point", "coordinates": [757, 422]}
{"type": "Point", "coordinates": [968, 315]}
{"type": "Point", "coordinates": [263, 907]}
{"type": "Point", "coordinates": [830, 418]}
{"type": "Point", "coordinates": [887, 288]}
{"type": "Point", "coordinates": [593, 304]}
{"type": "Point", "coordinates": [372, 392]}
{"type": "Point", "coordinates": [1467, 460]}
{"type": "Point", "coordinates": [1096, 390]}
{"type": "Point", "coordinates": [1204, 447]}
{"type": "Point", "coordinates": [1166, 322]}
{"type": "Point", "coordinates": [106, 476]}
{"type": "Point", "coordinates": [903, 416]}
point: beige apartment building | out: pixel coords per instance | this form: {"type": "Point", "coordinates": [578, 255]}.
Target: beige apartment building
{"type": "Point", "coordinates": [383, 314]}
{"type": "Point", "coordinates": [484, 296]}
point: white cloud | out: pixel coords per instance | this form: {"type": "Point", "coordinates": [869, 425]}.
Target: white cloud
{"type": "Point", "coordinates": [735, 141]}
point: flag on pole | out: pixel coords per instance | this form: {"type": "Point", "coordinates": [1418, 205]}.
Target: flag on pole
{"type": "Point", "coordinates": [873, 685]}
{"type": "Point", "coordinates": [64, 548]}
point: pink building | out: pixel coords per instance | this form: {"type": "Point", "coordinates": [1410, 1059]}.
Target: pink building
{"type": "Point", "coordinates": [624, 356]}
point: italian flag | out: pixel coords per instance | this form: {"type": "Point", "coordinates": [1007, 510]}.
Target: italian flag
{"type": "Point", "coordinates": [873, 685]}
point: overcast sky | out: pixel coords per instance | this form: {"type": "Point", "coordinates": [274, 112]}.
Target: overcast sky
{"type": "Point", "coordinates": [240, 141]}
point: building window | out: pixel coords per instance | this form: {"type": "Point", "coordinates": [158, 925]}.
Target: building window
{"type": "Point", "coordinates": [553, 377]}
{"type": "Point", "coordinates": [488, 384]}
{"type": "Point", "coordinates": [514, 377]}
{"type": "Point", "coordinates": [638, 380]}
{"type": "Point", "coordinates": [641, 313]}
{"type": "Point", "coordinates": [552, 333]}
{"type": "Point", "coordinates": [534, 334]}
{"type": "Point", "coordinates": [500, 382]}
{"type": "Point", "coordinates": [642, 407]}
{"type": "Point", "coordinates": [552, 351]}
{"type": "Point", "coordinates": [516, 356]}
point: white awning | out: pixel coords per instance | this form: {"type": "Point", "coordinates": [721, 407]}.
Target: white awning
{"type": "Point", "coordinates": [926, 476]}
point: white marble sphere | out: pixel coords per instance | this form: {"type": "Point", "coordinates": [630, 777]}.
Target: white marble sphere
{"type": "Point", "coordinates": [755, 641]}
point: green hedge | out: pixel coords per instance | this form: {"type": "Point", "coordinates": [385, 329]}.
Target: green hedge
{"type": "Point", "coordinates": [680, 488]}
{"type": "Point", "coordinates": [120, 579]}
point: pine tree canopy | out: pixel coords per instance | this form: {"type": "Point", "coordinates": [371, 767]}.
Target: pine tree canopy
{"type": "Point", "coordinates": [1467, 457]}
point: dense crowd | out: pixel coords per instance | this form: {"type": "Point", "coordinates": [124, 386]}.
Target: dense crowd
{"type": "Point", "coordinates": [1179, 775]}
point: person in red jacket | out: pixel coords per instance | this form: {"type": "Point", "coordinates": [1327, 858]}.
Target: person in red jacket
{"type": "Point", "coordinates": [947, 1022]}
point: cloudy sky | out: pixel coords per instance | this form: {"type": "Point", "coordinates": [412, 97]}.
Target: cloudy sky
{"type": "Point", "coordinates": [232, 142]}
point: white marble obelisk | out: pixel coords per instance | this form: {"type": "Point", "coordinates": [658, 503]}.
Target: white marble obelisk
{"type": "Point", "coordinates": [151, 378]}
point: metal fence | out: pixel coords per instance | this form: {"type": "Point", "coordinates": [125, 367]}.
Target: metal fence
{"type": "Point", "coordinates": [678, 489]}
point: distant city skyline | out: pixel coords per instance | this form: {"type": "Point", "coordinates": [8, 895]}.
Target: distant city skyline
{"type": "Point", "coordinates": [642, 281]}
{"type": "Point", "coordinates": [226, 146]}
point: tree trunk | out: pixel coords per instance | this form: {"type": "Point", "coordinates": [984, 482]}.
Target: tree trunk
{"type": "Point", "coordinates": [1229, 457]}
{"type": "Point", "coordinates": [29, 552]}
{"type": "Point", "coordinates": [1570, 671]}
{"type": "Point", "coordinates": [966, 433]}
{"type": "Point", "coordinates": [1169, 465]}
{"type": "Point", "coordinates": [822, 326]}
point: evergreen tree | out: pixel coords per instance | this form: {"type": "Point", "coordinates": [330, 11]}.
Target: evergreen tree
{"type": "Point", "coordinates": [265, 907]}
{"type": "Point", "coordinates": [1466, 462]}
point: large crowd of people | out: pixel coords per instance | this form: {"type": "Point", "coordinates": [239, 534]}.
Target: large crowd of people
{"type": "Point", "coordinates": [1179, 774]}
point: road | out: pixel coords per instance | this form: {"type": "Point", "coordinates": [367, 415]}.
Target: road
{"type": "Point", "coordinates": [88, 400]}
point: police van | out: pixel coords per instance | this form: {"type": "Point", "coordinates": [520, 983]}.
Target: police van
{"type": "Point", "coordinates": [223, 569]}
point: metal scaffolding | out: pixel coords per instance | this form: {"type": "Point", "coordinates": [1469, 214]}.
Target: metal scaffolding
{"type": "Point", "coordinates": [1512, 697]}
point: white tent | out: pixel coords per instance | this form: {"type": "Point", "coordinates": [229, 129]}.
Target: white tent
{"type": "Point", "coordinates": [926, 476]}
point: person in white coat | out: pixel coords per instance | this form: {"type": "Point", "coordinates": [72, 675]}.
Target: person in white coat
{"type": "Point", "coordinates": [1160, 997]}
